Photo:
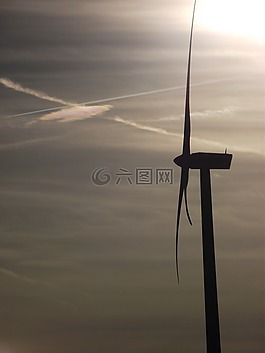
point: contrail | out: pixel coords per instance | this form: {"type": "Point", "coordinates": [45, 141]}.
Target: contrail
{"type": "Point", "coordinates": [199, 140]}
{"type": "Point", "coordinates": [144, 127]}
{"type": "Point", "coordinates": [32, 281]}
{"type": "Point", "coordinates": [26, 279]}
{"type": "Point", "coordinates": [67, 104]}
{"type": "Point", "coordinates": [15, 145]}
{"type": "Point", "coordinates": [18, 87]}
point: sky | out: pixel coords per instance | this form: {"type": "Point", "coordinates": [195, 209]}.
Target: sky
{"type": "Point", "coordinates": [91, 268]}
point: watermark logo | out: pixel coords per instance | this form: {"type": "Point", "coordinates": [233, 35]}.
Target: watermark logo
{"type": "Point", "coordinates": [99, 177]}
{"type": "Point", "coordinates": [140, 176]}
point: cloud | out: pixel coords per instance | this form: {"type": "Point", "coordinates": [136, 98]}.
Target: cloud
{"type": "Point", "coordinates": [75, 113]}
{"type": "Point", "coordinates": [18, 87]}
{"type": "Point", "coordinates": [197, 115]}
{"type": "Point", "coordinates": [213, 113]}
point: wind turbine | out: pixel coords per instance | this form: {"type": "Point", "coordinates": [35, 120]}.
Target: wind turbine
{"type": "Point", "coordinates": [204, 162]}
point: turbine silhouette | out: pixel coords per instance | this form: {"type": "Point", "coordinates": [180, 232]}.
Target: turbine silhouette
{"type": "Point", "coordinates": [204, 162]}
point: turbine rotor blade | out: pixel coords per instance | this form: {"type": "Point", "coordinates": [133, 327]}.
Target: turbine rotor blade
{"type": "Point", "coordinates": [185, 150]}
{"type": "Point", "coordinates": [186, 205]}
{"type": "Point", "coordinates": [177, 229]}
{"type": "Point", "coordinates": [187, 124]}
{"type": "Point", "coordinates": [182, 188]}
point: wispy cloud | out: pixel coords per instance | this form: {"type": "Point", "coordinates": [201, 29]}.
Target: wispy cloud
{"type": "Point", "coordinates": [18, 87]}
{"type": "Point", "coordinates": [75, 113]}
{"type": "Point", "coordinates": [23, 278]}
{"type": "Point", "coordinates": [32, 281]}
{"type": "Point", "coordinates": [213, 113]}
{"type": "Point", "coordinates": [205, 114]}
{"type": "Point", "coordinates": [18, 144]}
{"type": "Point", "coordinates": [35, 282]}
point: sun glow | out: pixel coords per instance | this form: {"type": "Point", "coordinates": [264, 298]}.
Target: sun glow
{"type": "Point", "coordinates": [243, 18]}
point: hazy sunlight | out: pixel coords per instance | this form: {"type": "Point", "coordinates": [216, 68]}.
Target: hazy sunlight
{"type": "Point", "coordinates": [238, 17]}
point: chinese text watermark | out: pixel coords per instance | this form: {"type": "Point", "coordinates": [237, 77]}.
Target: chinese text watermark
{"type": "Point", "coordinates": [139, 176]}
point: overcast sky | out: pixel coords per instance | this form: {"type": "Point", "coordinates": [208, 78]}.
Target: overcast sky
{"type": "Point", "coordinates": [88, 268]}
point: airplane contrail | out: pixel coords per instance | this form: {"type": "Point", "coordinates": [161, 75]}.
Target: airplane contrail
{"type": "Point", "coordinates": [163, 131]}
{"type": "Point", "coordinates": [43, 283]}
{"type": "Point", "coordinates": [145, 93]}
{"type": "Point", "coordinates": [18, 87]}
{"type": "Point", "coordinates": [144, 127]}
{"type": "Point", "coordinates": [198, 140]}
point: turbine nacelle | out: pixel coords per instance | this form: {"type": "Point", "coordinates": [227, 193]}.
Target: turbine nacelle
{"type": "Point", "coordinates": [204, 160]}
